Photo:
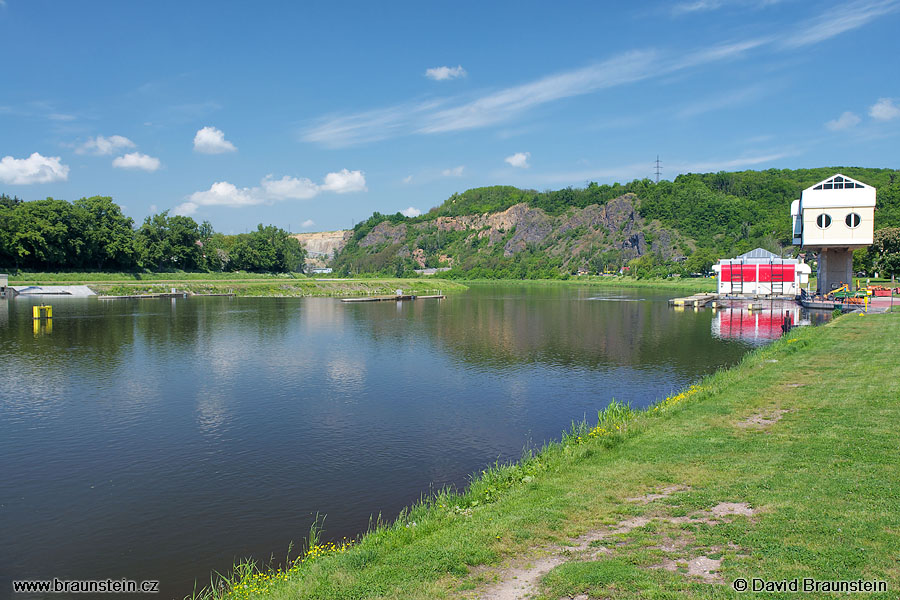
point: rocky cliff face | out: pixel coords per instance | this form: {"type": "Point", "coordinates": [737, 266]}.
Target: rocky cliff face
{"type": "Point", "coordinates": [322, 246]}
{"type": "Point", "coordinates": [573, 236]}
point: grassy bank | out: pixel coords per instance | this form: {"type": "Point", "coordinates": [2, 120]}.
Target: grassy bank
{"type": "Point", "coordinates": [783, 467]}
{"type": "Point", "coordinates": [241, 284]}
{"type": "Point", "coordinates": [691, 285]}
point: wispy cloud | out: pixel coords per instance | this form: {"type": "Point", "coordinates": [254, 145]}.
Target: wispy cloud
{"type": "Point", "coordinates": [509, 103]}
{"type": "Point", "coordinates": [733, 98]}
{"type": "Point", "coordinates": [644, 169]}
{"type": "Point", "coordinates": [454, 172]}
{"type": "Point", "coordinates": [338, 131]}
{"type": "Point", "coordinates": [496, 107]}
{"type": "Point", "coordinates": [411, 212]}
{"type": "Point", "coordinates": [697, 6]}
{"type": "Point", "coordinates": [839, 20]}
{"type": "Point", "coordinates": [847, 120]}
{"type": "Point", "coordinates": [444, 73]}
{"type": "Point", "coordinates": [884, 110]}
{"type": "Point", "coordinates": [102, 146]}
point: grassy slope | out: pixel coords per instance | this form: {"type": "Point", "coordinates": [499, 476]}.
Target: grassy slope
{"type": "Point", "coordinates": [825, 480]}
{"type": "Point", "coordinates": [691, 285]}
{"type": "Point", "coordinates": [241, 284]}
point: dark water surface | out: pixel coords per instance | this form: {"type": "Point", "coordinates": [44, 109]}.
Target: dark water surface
{"type": "Point", "coordinates": [163, 439]}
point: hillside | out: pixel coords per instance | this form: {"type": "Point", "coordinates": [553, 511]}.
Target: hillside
{"type": "Point", "coordinates": [670, 226]}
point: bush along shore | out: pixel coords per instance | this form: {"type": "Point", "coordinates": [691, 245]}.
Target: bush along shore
{"type": "Point", "coordinates": [781, 471]}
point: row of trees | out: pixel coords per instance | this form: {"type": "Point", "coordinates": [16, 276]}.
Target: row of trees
{"type": "Point", "coordinates": [94, 234]}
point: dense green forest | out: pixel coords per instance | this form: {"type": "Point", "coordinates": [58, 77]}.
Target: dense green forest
{"type": "Point", "coordinates": [93, 234]}
{"type": "Point", "coordinates": [705, 216]}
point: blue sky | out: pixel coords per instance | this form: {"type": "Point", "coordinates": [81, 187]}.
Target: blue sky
{"type": "Point", "coordinates": [313, 115]}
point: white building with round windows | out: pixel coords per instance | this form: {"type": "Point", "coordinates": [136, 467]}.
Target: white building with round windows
{"type": "Point", "coordinates": [833, 218]}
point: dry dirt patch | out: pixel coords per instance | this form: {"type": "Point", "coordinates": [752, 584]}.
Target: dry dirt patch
{"type": "Point", "coordinates": [521, 580]}
{"type": "Point", "coordinates": [762, 420]}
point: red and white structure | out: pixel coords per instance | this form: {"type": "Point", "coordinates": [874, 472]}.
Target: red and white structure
{"type": "Point", "coordinates": [761, 273]}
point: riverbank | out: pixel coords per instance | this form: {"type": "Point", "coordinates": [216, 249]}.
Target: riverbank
{"type": "Point", "coordinates": [783, 467]}
{"type": "Point", "coordinates": [239, 284]}
{"type": "Point", "coordinates": [675, 284]}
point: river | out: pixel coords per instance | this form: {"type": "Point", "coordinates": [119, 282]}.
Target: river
{"type": "Point", "coordinates": [163, 439]}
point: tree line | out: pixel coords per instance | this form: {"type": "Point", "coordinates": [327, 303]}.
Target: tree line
{"type": "Point", "coordinates": [93, 234]}
{"type": "Point", "coordinates": [721, 214]}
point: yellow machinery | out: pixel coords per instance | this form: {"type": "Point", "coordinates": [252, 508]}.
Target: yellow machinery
{"type": "Point", "coordinates": [42, 312]}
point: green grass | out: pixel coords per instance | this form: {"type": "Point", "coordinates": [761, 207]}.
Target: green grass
{"type": "Point", "coordinates": [240, 284]}
{"type": "Point", "coordinates": [824, 480]}
{"type": "Point", "coordinates": [692, 285]}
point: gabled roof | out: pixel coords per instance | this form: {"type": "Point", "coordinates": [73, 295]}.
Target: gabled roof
{"type": "Point", "coordinates": [837, 182]}
{"type": "Point", "coordinates": [759, 253]}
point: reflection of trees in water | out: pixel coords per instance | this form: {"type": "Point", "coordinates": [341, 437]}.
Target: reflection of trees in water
{"type": "Point", "coordinates": [93, 335]}
{"type": "Point", "coordinates": [505, 327]}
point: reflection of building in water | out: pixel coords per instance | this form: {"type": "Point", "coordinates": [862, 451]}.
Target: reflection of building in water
{"type": "Point", "coordinates": [757, 326]}
{"type": "Point", "coordinates": [4, 311]}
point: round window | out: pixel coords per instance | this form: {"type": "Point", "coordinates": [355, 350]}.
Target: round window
{"type": "Point", "coordinates": [853, 220]}
{"type": "Point", "coordinates": [823, 221]}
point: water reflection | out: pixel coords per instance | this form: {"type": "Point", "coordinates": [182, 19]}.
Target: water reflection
{"type": "Point", "coordinates": [764, 322]}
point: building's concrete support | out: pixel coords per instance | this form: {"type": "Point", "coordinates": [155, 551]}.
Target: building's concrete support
{"type": "Point", "coordinates": [835, 269]}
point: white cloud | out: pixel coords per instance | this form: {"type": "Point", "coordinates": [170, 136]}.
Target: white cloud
{"type": "Point", "coordinates": [838, 20]}
{"type": "Point", "coordinates": [307, 223]}
{"type": "Point", "coordinates": [442, 73]}
{"type": "Point", "coordinates": [408, 179]}
{"type": "Point", "coordinates": [884, 110]}
{"type": "Point", "coordinates": [34, 169]}
{"type": "Point", "coordinates": [185, 209]}
{"type": "Point", "coordinates": [845, 121]}
{"type": "Point", "coordinates": [210, 140]}
{"type": "Point", "coordinates": [291, 188]}
{"type": "Point", "coordinates": [136, 160]}
{"type": "Point", "coordinates": [270, 190]}
{"type": "Point", "coordinates": [519, 160]}
{"type": "Point", "coordinates": [454, 172]}
{"type": "Point", "coordinates": [411, 212]}
{"type": "Point", "coordinates": [222, 193]}
{"type": "Point", "coordinates": [344, 181]}
{"type": "Point", "coordinates": [104, 145]}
